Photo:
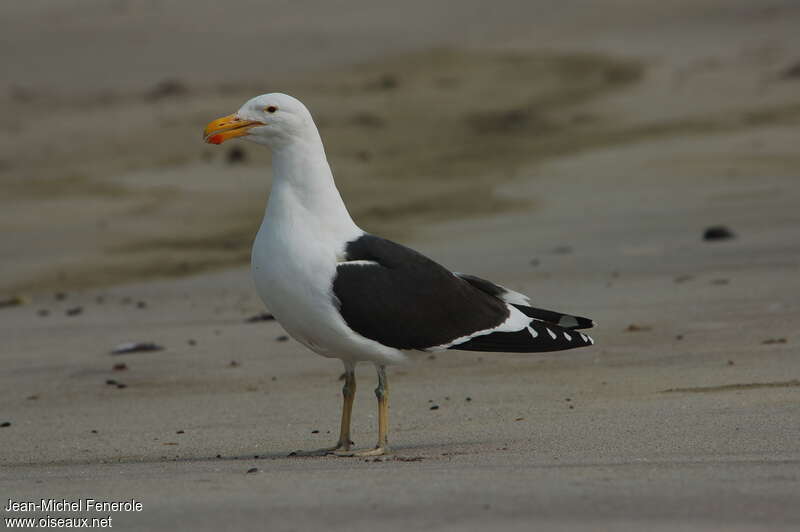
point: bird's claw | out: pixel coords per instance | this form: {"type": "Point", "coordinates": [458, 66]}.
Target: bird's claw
{"type": "Point", "coordinates": [377, 451]}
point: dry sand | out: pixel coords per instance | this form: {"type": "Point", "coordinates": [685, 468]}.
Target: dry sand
{"type": "Point", "coordinates": [577, 153]}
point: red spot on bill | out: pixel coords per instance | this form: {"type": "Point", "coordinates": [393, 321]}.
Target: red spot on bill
{"type": "Point", "coordinates": [215, 139]}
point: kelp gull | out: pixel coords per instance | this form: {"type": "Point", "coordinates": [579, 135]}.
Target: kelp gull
{"type": "Point", "coordinates": [347, 294]}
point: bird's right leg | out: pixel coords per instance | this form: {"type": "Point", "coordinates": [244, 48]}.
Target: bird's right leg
{"type": "Point", "coordinates": [348, 395]}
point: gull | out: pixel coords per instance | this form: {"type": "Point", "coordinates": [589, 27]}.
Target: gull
{"type": "Point", "coordinates": [347, 294]}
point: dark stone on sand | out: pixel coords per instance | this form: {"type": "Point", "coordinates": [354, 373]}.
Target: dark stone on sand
{"type": "Point", "coordinates": [264, 316]}
{"type": "Point", "coordinates": [135, 347]}
{"type": "Point", "coordinates": [717, 232]}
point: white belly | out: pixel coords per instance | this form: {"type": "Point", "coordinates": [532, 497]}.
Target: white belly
{"type": "Point", "coordinates": [293, 275]}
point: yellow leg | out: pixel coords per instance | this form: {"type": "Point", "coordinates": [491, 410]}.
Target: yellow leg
{"type": "Point", "coordinates": [348, 393]}
{"type": "Point", "coordinates": [382, 393]}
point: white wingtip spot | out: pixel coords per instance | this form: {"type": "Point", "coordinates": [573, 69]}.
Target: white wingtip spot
{"type": "Point", "coordinates": [534, 334]}
{"type": "Point", "coordinates": [584, 338]}
{"type": "Point", "coordinates": [552, 334]}
{"type": "Point", "coordinates": [568, 337]}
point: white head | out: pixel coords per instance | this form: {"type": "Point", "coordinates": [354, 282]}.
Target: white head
{"type": "Point", "coordinates": [272, 119]}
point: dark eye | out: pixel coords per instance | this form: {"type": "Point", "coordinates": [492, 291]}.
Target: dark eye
{"type": "Point", "coordinates": [271, 109]}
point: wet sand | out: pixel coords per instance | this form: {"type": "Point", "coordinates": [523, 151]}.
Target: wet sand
{"type": "Point", "coordinates": [620, 153]}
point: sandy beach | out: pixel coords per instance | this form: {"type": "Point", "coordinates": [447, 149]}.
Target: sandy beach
{"type": "Point", "coordinates": [574, 153]}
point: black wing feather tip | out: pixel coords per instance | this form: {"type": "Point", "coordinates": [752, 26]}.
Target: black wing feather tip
{"type": "Point", "coordinates": [545, 337]}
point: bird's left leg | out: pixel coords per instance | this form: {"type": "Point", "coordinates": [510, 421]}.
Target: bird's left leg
{"type": "Point", "coordinates": [382, 394]}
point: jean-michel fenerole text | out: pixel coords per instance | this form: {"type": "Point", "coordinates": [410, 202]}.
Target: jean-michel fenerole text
{"type": "Point", "coordinates": [77, 505]}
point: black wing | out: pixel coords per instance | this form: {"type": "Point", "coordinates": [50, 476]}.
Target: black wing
{"type": "Point", "coordinates": [400, 298]}
{"type": "Point", "coordinates": [393, 295]}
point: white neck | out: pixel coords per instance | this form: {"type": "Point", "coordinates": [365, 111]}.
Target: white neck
{"type": "Point", "coordinates": [304, 193]}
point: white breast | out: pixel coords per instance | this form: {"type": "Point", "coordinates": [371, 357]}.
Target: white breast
{"type": "Point", "coordinates": [294, 282]}
{"type": "Point", "coordinates": [293, 269]}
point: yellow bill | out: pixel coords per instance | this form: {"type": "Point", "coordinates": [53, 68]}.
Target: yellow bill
{"type": "Point", "coordinates": [228, 127]}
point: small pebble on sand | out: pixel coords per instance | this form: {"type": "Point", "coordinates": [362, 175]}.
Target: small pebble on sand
{"type": "Point", "coordinates": [135, 347]}
{"type": "Point", "coordinates": [264, 316]}
{"type": "Point", "coordinates": [717, 232]}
